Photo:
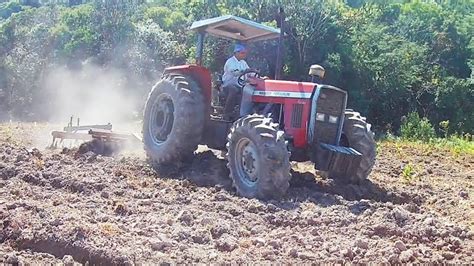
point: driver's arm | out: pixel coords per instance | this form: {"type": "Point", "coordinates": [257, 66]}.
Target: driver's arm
{"type": "Point", "coordinates": [246, 68]}
{"type": "Point", "coordinates": [237, 72]}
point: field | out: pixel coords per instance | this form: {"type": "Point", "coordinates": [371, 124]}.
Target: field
{"type": "Point", "coordinates": [58, 206]}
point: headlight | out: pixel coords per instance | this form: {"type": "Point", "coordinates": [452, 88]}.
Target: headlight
{"type": "Point", "coordinates": [320, 117]}
{"type": "Point", "coordinates": [333, 119]}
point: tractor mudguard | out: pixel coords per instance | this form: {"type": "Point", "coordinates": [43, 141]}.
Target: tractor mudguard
{"type": "Point", "coordinates": [199, 73]}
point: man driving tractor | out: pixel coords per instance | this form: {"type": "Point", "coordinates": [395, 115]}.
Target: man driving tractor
{"type": "Point", "coordinates": [234, 67]}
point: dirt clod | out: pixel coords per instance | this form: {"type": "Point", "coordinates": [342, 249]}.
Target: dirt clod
{"type": "Point", "coordinates": [68, 260]}
{"type": "Point", "coordinates": [161, 244]}
{"type": "Point", "coordinates": [293, 253]}
{"type": "Point", "coordinates": [12, 259]}
{"type": "Point", "coordinates": [226, 243]}
{"type": "Point", "coordinates": [406, 256]}
{"type": "Point", "coordinates": [363, 244]}
{"type": "Point", "coordinates": [400, 246]}
{"type": "Point", "coordinates": [448, 255]}
{"type": "Point", "coordinates": [348, 253]}
{"type": "Point", "coordinates": [463, 194]}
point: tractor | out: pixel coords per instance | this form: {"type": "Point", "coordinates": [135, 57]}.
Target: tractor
{"type": "Point", "coordinates": [292, 120]}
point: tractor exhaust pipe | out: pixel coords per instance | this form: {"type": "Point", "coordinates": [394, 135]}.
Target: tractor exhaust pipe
{"type": "Point", "coordinates": [200, 48]}
{"type": "Point", "coordinates": [281, 18]}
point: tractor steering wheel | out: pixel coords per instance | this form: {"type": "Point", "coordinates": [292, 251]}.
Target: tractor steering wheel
{"type": "Point", "coordinates": [241, 79]}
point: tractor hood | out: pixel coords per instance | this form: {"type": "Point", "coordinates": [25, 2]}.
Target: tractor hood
{"type": "Point", "coordinates": [284, 89]}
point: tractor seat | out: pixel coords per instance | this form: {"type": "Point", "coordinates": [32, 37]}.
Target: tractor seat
{"type": "Point", "coordinates": [218, 82]}
{"type": "Point", "coordinates": [219, 86]}
{"type": "Point", "coordinates": [219, 94]}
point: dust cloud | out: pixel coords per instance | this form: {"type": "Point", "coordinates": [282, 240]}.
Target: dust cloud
{"type": "Point", "coordinates": [95, 95]}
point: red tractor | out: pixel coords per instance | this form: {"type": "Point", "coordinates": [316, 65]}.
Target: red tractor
{"type": "Point", "coordinates": [298, 121]}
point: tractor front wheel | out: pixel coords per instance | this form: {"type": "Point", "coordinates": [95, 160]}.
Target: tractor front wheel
{"type": "Point", "coordinates": [356, 134]}
{"type": "Point", "coordinates": [258, 158]}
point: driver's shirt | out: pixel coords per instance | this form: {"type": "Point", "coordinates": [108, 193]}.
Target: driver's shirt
{"type": "Point", "coordinates": [232, 69]}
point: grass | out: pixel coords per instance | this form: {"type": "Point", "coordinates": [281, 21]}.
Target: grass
{"type": "Point", "coordinates": [413, 170]}
{"type": "Point", "coordinates": [453, 144]}
{"type": "Point", "coordinates": [27, 134]}
{"type": "Point", "coordinates": [456, 145]}
{"type": "Point", "coordinates": [6, 134]}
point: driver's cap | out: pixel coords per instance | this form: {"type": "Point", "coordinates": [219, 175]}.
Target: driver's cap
{"type": "Point", "coordinates": [239, 48]}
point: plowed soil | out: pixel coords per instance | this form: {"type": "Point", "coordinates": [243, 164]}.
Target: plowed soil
{"type": "Point", "coordinates": [58, 206]}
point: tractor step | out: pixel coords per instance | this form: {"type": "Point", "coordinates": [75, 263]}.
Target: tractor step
{"type": "Point", "coordinates": [341, 161]}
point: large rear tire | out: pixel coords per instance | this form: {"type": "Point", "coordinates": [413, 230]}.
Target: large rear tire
{"type": "Point", "coordinates": [173, 120]}
{"type": "Point", "coordinates": [258, 158]}
{"type": "Point", "coordinates": [356, 133]}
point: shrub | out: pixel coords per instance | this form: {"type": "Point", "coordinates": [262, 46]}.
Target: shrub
{"type": "Point", "coordinates": [416, 128]}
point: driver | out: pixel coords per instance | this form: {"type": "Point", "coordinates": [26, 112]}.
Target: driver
{"type": "Point", "coordinates": [233, 68]}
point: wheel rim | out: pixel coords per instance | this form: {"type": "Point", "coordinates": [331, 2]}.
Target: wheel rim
{"type": "Point", "coordinates": [247, 161]}
{"type": "Point", "coordinates": [161, 119]}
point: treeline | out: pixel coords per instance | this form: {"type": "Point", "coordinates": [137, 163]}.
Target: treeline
{"type": "Point", "coordinates": [393, 57]}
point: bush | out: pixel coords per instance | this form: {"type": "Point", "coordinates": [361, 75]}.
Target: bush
{"type": "Point", "coordinates": [416, 128]}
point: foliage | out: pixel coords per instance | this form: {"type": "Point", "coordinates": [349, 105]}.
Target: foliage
{"type": "Point", "coordinates": [457, 145]}
{"type": "Point", "coordinates": [150, 50]}
{"type": "Point", "coordinates": [444, 127]}
{"type": "Point", "coordinates": [408, 173]}
{"type": "Point", "coordinates": [454, 101]}
{"type": "Point", "coordinates": [167, 19]}
{"type": "Point", "coordinates": [416, 128]}
{"type": "Point", "coordinates": [74, 33]}
{"type": "Point", "coordinates": [454, 145]}
{"type": "Point", "coordinates": [27, 54]}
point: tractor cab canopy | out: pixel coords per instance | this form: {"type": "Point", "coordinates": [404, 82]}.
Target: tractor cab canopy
{"type": "Point", "coordinates": [235, 28]}
{"type": "Point", "coordinates": [231, 28]}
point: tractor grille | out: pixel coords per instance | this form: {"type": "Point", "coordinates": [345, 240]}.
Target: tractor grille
{"type": "Point", "coordinates": [330, 108]}
{"type": "Point", "coordinates": [296, 115]}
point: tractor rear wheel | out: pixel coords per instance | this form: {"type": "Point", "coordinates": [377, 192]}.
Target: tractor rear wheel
{"type": "Point", "coordinates": [173, 119]}
{"type": "Point", "coordinates": [356, 134]}
{"type": "Point", "coordinates": [258, 158]}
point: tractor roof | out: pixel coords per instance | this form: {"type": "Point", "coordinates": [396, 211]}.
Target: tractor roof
{"type": "Point", "coordinates": [236, 28]}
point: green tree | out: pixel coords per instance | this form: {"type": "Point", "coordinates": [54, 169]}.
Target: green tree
{"type": "Point", "coordinates": [75, 34]}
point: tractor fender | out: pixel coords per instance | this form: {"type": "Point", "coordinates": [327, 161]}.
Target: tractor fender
{"type": "Point", "coordinates": [199, 74]}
